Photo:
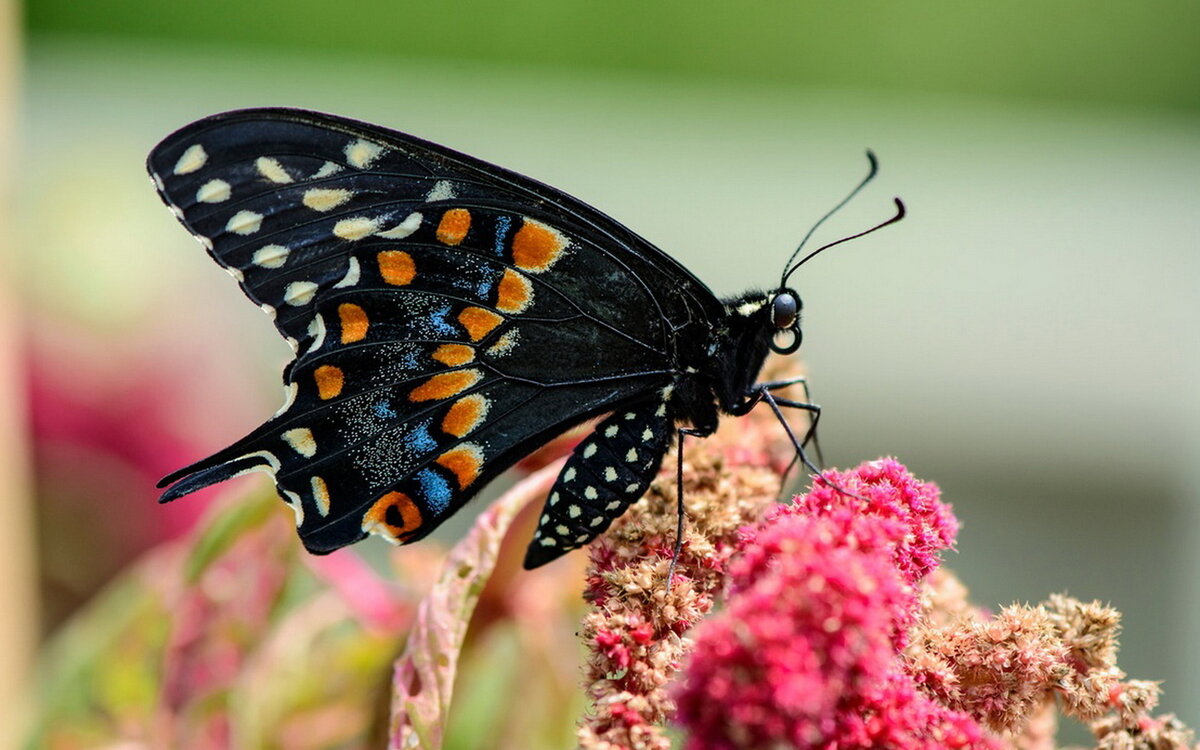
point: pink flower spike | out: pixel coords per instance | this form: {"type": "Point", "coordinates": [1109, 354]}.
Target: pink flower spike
{"type": "Point", "coordinates": [807, 652]}
{"type": "Point", "coordinates": [921, 523]}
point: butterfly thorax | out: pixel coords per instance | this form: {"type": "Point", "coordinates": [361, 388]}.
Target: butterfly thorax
{"type": "Point", "coordinates": [725, 366]}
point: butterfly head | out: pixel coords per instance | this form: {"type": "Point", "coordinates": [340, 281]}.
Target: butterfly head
{"type": "Point", "coordinates": [785, 307]}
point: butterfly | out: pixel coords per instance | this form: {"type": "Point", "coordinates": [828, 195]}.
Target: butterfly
{"type": "Point", "coordinates": [449, 316]}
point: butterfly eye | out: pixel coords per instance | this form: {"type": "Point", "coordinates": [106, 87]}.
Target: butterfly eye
{"type": "Point", "coordinates": [784, 308]}
{"type": "Point", "coordinates": [787, 345]}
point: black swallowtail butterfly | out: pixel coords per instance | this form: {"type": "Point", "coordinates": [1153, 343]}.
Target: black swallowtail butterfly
{"type": "Point", "coordinates": [449, 316]}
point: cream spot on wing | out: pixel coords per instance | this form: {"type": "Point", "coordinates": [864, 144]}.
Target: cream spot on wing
{"type": "Point", "coordinates": [569, 474]}
{"type": "Point", "coordinates": [596, 521]}
{"type": "Point", "coordinates": [302, 441]}
{"type": "Point", "coordinates": [236, 273]}
{"type": "Point", "coordinates": [631, 488]}
{"type": "Point", "coordinates": [191, 160]}
{"type": "Point", "coordinates": [324, 199]}
{"type": "Point", "coordinates": [582, 538]}
{"type": "Point", "coordinates": [610, 431]}
{"type": "Point", "coordinates": [292, 499]}
{"type": "Point", "coordinates": [351, 277]}
{"type": "Point", "coordinates": [270, 256]}
{"type": "Point", "coordinates": [361, 153]}
{"type": "Point", "coordinates": [294, 344]}
{"type": "Point", "coordinates": [442, 190]}
{"type": "Point", "coordinates": [590, 450]}
{"type": "Point", "coordinates": [613, 505]}
{"type": "Point", "coordinates": [562, 530]}
{"type": "Point", "coordinates": [299, 293]}
{"type": "Point", "coordinates": [327, 169]}
{"type": "Point", "coordinates": [632, 455]}
{"type": "Point", "coordinates": [610, 474]}
{"type": "Point", "coordinates": [590, 493]}
{"type": "Point", "coordinates": [316, 329]}
{"type": "Point", "coordinates": [273, 464]}
{"type": "Point", "coordinates": [410, 224]}
{"type": "Point", "coordinates": [548, 541]}
{"type": "Point", "coordinates": [244, 222]}
{"type": "Point", "coordinates": [214, 191]}
{"type": "Point", "coordinates": [272, 170]}
{"type": "Point", "coordinates": [270, 311]}
{"type": "Point", "coordinates": [647, 435]}
{"type": "Point", "coordinates": [574, 511]}
{"type": "Point", "coordinates": [553, 498]}
{"type": "Point", "coordinates": [289, 398]}
{"type": "Point", "coordinates": [355, 228]}
{"type": "Point", "coordinates": [661, 411]}
{"type": "Point", "coordinates": [321, 495]}
{"type": "Point", "coordinates": [505, 343]}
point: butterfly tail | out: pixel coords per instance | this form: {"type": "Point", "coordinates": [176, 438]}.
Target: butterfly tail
{"type": "Point", "coordinates": [214, 469]}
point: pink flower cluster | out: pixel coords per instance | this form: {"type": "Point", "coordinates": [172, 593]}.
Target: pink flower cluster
{"type": "Point", "coordinates": [821, 597]}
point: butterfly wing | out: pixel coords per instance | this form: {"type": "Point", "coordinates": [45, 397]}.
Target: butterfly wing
{"type": "Point", "coordinates": [448, 315]}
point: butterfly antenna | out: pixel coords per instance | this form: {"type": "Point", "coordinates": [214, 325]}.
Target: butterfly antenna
{"type": "Point", "coordinates": [870, 175]}
{"type": "Point", "coordinates": [900, 213]}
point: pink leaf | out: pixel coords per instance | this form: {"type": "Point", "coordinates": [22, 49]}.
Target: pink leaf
{"type": "Point", "coordinates": [424, 675]}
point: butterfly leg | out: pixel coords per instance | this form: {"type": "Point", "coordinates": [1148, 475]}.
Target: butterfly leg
{"type": "Point", "coordinates": [809, 436]}
{"type": "Point", "coordinates": [681, 432]}
{"type": "Point", "coordinates": [814, 410]}
{"type": "Point", "coordinates": [775, 404]}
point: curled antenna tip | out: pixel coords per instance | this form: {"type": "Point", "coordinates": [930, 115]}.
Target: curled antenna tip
{"type": "Point", "coordinates": [873, 160]}
{"type": "Point", "coordinates": [901, 210]}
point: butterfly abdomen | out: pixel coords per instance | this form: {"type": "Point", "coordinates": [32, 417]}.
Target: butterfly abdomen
{"type": "Point", "coordinates": [606, 472]}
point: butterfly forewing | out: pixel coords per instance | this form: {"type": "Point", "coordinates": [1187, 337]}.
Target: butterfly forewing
{"type": "Point", "coordinates": [448, 316]}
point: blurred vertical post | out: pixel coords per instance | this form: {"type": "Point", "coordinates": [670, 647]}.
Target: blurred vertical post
{"type": "Point", "coordinates": [18, 603]}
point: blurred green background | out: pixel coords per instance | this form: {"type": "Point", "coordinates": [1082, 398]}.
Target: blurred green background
{"type": "Point", "coordinates": [1028, 337]}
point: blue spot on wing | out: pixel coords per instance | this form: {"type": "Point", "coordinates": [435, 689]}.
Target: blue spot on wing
{"type": "Point", "coordinates": [420, 439]}
{"type": "Point", "coordinates": [502, 225]}
{"type": "Point", "coordinates": [384, 410]}
{"type": "Point", "coordinates": [438, 320]}
{"type": "Point", "coordinates": [409, 360]}
{"type": "Point", "coordinates": [436, 490]}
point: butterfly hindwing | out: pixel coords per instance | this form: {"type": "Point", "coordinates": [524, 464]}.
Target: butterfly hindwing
{"type": "Point", "coordinates": [447, 316]}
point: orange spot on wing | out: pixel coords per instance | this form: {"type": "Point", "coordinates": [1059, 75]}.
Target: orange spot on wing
{"type": "Point", "coordinates": [445, 385]}
{"type": "Point", "coordinates": [329, 381]}
{"type": "Point", "coordinates": [514, 292]}
{"type": "Point", "coordinates": [465, 415]}
{"type": "Point", "coordinates": [453, 227]}
{"type": "Point", "coordinates": [454, 355]}
{"type": "Point", "coordinates": [354, 322]}
{"type": "Point", "coordinates": [397, 267]}
{"type": "Point", "coordinates": [464, 461]}
{"type": "Point", "coordinates": [536, 247]}
{"type": "Point", "coordinates": [394, 515]}
{"type": "Point", "coordinates": [478, 321]}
